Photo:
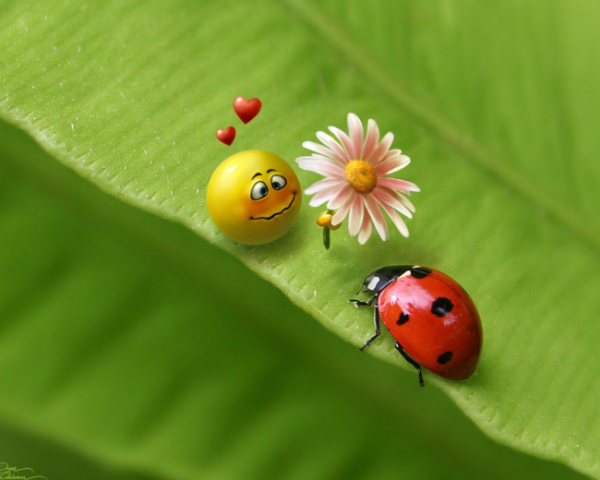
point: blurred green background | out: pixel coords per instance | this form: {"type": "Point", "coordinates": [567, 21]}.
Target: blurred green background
{"type": "Point", "coordinates": [139, 347]}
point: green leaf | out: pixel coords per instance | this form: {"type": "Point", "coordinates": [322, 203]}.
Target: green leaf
{"type": "Point", "coordinates": [494, 103]}
{"type": "Point", "coordinates": [125, 355]}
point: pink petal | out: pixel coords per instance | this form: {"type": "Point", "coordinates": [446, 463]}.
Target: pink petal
{"type": "Point", "coordinates": [356, 133]}
{"type": "Point", "coordinates": [315, 147]}
{"type": "Point", "coordinates": [338, 217]}
{"type": "Point", "coordinates": [405, 201]}
{"type": "Point", "coordinates": [314, 157]}
{"type": "Point", "coordinates": [392, 165]}
{"type": "Point", "coordinates": [322, 184]}
{"type": "Point", "coordinates": [397, 220]}
{"type": "Point", "coordinates": [397, 184]}
{"type": "Point", "coordinates": [377, 216]}
{"type": "Point", "coordinates": [371, 140]}
{"type": "Point", "coordinates": [400, 197]}
{"type": "Point", "coordinates": [390, 200]}
{"type": "Point", "coordinates": [357, 213]}
{"type": "Point", "coordinates": [391, 153]}
{"type": "Point", "coordinates": [342, 137]}
{"type": "Point", "coordinates": [340, 198]}
{"type": "Point", "coordinates": [381, 149]}
{"type": "Point", "coordinates": [322, 166]}
{"type": "Point", "coordinates": [365, 231]}
{"type": "Point", "coordinates": [340, 154]}
{"type": "Point", "coordinates": [324, 196]}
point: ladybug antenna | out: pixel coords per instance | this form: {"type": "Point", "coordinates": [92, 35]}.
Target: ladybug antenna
{"type": "Point", "coordinates": [360, 290]}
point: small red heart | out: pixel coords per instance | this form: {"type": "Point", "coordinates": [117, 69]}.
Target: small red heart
{"type": "Point", "coordinates": [246, 109]}
{"type": "Point", "coordinates": [226, 136]}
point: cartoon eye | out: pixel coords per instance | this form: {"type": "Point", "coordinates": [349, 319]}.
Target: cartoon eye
{"type": "Point", "coordinates": [278, 182]}
{"type": "Point", "coordinates": [259, 190]}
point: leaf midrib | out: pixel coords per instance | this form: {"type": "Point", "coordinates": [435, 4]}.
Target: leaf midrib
{"type": "Point", "coordinates": [584, 228]}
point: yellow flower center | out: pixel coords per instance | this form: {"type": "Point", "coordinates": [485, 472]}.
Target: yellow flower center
{"type": "Point", "coordinates": [361, 176]}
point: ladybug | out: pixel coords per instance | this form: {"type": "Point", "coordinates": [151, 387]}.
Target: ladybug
{"type": "Point", "coordinates": [431, 317]}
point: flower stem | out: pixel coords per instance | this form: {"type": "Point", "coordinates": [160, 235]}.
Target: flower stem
{"type": "Point", "coordinates": [326, 238]}
{"type": "Point", "coordinates": [326, 232]}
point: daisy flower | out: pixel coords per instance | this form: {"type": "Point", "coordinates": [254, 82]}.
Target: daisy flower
{"type": "Point", "coordinates": [356, 183]}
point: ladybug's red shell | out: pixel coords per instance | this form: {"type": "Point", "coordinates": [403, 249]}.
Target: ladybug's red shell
{"type": "Point", "coordinates": [434, 320]}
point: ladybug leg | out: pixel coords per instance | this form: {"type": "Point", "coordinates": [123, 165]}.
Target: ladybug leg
{"type": "Point", "coordinates": [377, 321]}
{"type": "Point", "coordinates": [407, 357]}
{"type": "Point", "coordinates": [359, 303]}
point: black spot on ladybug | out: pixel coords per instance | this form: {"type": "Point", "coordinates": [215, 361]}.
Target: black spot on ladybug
{"type": "Point", "coordinates": [441, 307]}
{"type": "Point", "coordinates": [419, 272]}
{"type": "Point", "coordinates": [403, 319]}
{"type": "Point", "coordinates": [444, 358]}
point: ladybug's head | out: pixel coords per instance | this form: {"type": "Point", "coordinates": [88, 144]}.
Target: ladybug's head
{"type": "Point", "coordinates": [382, 277]}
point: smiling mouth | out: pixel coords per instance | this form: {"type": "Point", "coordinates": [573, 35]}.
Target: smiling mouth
{"type": "Point", "coordinates": [278, 213]}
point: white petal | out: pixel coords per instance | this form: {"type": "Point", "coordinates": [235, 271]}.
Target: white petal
{"type": "Point", "coordinates": [342, 137]}
{"type": "Point", "coordinates": [313, 157]}
{"type": "Point", "coordinates": [381, 149]}
{"type": "Point", "coordinates": [322, 185]}
{"type": "Point", "coordinates": [365, 231]}
{"type": "Point", "coordinates": [371, 139]}
{"type": "Point", "coordinates": [405, 201]}
{"type": "Point", "coordinates": [327, 169]}
{"type": "Point", "coordinates": [340, 198]}
{"type": "Point", "coordinates": [397, 220]}
{"type": "Point", "coordinates": [340, 154]}
{"type": "Point", "coordinates": [338, 217]}
{"type": "Point", "coordinates": [377, 216]}
{"type": "Point", "coordinates": [400, 197]}
{"type": "Point", "coordinates": [390, 200]}
{"type": "Point", "coordinates": [324, 196]}
{"type": "Point", "coordinates": [392, 165]}
{"type": "Point", "coordinates": [391, 153]}
{"type": "Point", "coordinates": [315, 147]}
{"type": "Point", "coordinates": [397, 184]}
{"type": "Point", "coordinates": [357, 213]}
{"type": "Point", "coordinates": [356, 133]}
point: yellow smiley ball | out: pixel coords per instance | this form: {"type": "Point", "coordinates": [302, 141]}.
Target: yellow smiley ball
{"type": "Point", "coordinates": [254, 197]}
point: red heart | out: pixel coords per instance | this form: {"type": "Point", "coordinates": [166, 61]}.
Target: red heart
{"type": "Point", "coordinates": [226, 136]}
{"type": "Point", "coordinates": [246, 109]}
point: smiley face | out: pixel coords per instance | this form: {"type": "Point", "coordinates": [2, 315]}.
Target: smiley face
{"type": "Point", "coordinates": [254, 197]}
